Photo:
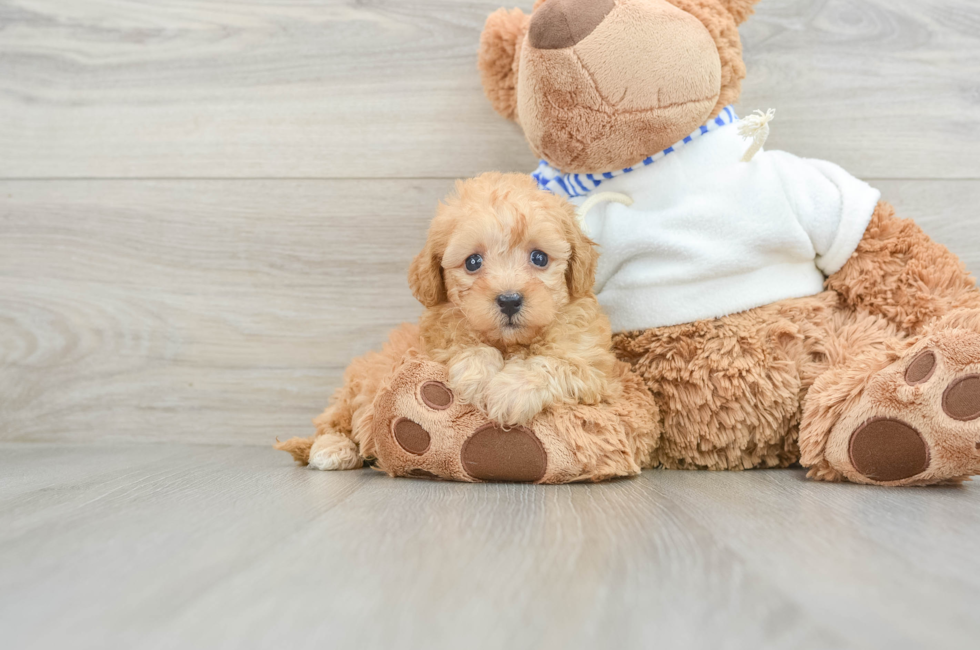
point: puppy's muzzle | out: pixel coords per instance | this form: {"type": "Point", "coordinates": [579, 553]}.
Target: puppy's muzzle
{"type": "Point", "coordinates": [510, 304]}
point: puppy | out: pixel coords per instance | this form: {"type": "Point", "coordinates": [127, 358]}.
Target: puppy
{"type": "Point", "coordinates": [506, 277]}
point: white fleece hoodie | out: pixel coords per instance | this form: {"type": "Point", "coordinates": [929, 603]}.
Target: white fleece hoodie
{"type": "Point", "coordinates": [708, 235]}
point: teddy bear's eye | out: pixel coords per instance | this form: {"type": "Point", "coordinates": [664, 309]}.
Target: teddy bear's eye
{"type": "Point", "coordinates": [539, 258]}
{"type": "Point", "coordinates": [474, 262]}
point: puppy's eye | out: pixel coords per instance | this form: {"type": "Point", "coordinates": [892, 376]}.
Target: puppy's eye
{"type": "Point", "coordinates": [539, 258]}
{"type": "Point", "coordinates": [474, 262]}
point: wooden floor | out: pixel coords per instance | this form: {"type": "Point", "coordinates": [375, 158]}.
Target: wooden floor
{"type": "Point", "coordinates": [207, 208]}
{"type": "Point", "coordinates": [175, 546]}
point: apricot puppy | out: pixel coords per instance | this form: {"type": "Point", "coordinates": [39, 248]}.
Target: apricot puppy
{"type": "Point", "coordinates": [506, 277]}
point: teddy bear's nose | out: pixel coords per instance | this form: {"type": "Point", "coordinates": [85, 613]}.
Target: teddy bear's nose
{"type": "Point", "coordinates": [563, 23]}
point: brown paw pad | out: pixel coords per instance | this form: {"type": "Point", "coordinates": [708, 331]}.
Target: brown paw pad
{"type": "Point", "coordinates": [921, 368]}
{"type": "Point", "coordinates": [411, 436]}
{"type": "Point", "coordinates": [961, 400]}
{"type": "Point", "coordinates": [493, 453]}
{"type": "Point", "coordinates": [885, 449]}
{"type": "Point", "coordinates": [436, 395]}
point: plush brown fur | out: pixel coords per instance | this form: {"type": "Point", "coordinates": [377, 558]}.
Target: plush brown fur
{"type": "Point", "coordinates": [899, 273]}
{"type": "Point", "coordinates": [729, 389]}
{"type": "Point", "coordinates": [648, 75]}
{"type": "Point", "coordinates": [791, 381]}
{"type": "Point", "coordinates": [500, 46]}
{"type": "Point", "coordinates": [580, 442]}
{"type": "Point", "coordinates": [554, 355]}
{"type": "Point", "coordinates": [798, 380]}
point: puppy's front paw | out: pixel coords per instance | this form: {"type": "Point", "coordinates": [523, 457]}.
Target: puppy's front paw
{"type": "Point", "coordinates": [334, 452]}
{"type": "Point", "coordinates": [471, 372]}
{"type": "Point", "coordinates": [516, 395]}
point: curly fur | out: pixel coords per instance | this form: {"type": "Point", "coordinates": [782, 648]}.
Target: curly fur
{"type": "Point", "coordinates": [739, 9]}
{"type": "Point", "coordinates": [729, 389]}
{"type": "Point", "coordinates": [899, 273]}
{"type": "Point", "coordinates": [557, 350]}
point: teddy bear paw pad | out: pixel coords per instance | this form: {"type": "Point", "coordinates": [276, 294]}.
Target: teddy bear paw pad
{"type": "Point", "coordinates": [436, 395]}
{"type": "Point", "coordinates": [411, 436]}
{"type": "Point", "coordinates": [919, 419]}
{"type": "Point", "coordinates": [494, 453]}
{"type": "Point", "coordinates": [921, 368]}
{"type": "Point", "coordinates": [886, 449]}
{"type": "Point", "coordinates": [961, 399]}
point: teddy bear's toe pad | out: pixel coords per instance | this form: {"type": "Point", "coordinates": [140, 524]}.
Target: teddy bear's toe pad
{"type": "Point", "coordinates": [921, 368]}
{"type": "Point", "coordinates": [887, 449]}
{"type": "Point", "coordinates": [961, 399]}
{"type": "Point", "coordinates": [493, 453]}
{"type": "Point", "coordinates": [411, 436]}
{"type": "Point", "coordinates": [436, 395]}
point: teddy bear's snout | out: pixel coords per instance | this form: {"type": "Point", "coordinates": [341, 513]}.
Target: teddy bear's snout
{"type": "Point", "coordinates": [559, 24]}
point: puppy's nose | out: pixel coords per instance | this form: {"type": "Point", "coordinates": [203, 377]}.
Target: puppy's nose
{"type": "Point", "coordinates": [510, 303]}
{"type": "Point", "coordinates": [559, 24]}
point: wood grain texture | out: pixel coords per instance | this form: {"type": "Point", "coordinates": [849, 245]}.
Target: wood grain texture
{"type": "Point", "coordinates": [884, 88]}
{"type": "Point", "coordinates": [196, 310]}
{"type": "Point", "coordinates": [143, 321]}
{"type": "Point", "coordinates": [226, 311]}
{"type": "Point", "coordinates": [388, 88]}
{"type": "Point", "coordinates": [162, 546]}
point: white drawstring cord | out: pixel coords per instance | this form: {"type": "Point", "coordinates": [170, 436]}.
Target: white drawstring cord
{"type": "Point", "coordinates": [755, 126]}
{"type": "Point", "coordinates": [612, 197]}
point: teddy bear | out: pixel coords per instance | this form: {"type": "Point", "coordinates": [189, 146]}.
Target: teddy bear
{"type": "Point", "coordinates": [767, 310]}
{"type": "Point", "coordinates": [775, 307]}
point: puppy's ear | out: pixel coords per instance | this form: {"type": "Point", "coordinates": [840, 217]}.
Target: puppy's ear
{"type": "Point", "coordinates": [425, 273]}
{"type": "Point", "coordinates": [425, 278]}
{"type": "Point", "coordinates": [500, 53]}
{"type": "Point", "coordinates": [580, 274]}
{"type": "Point", "coordinates": [739, 9]}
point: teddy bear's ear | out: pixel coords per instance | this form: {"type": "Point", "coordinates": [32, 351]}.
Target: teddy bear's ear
{"type": "Point", "coordinates": [500, 51]}
{"type": "Point", "coordinates": [739, 9]}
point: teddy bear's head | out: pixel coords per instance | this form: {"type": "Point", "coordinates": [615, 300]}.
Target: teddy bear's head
{"type": "Point", "coordinates": [598, 85]}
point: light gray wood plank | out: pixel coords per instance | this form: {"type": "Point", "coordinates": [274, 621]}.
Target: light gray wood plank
{"type": "Point", "coordinates": [196, 310]}
{"type": "Point", "coordinates": [884, 88]}
{"type": "Point", "coordinates": [334, 88]}
{"type": "Point", "coordinates": [226, 311]}
{"type": "Point", "coordinates": [203, 546]}
{"type": "Point", "coordinates": [261, 88]}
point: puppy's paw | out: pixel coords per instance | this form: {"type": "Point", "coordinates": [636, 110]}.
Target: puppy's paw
{"type": "Point", "coordinates": [471, 372]}
{"type": "Point", "coordinates": [516, 395]}
{"type": "Point", "coordinates": [334, 452]}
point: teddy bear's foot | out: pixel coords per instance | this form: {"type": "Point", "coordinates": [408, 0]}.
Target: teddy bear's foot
{"type": "Point", "coordinates": [421, 430]}
{"type": "Point", "coordinates": [916, 421]}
